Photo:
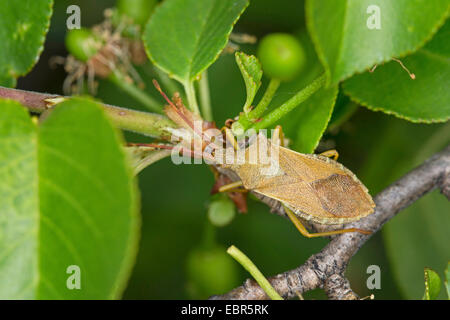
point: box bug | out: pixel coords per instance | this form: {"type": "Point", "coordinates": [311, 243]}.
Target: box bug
{"type": "Point", "coordinates": [310, 187]}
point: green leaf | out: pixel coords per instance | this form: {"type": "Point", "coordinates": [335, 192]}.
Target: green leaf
{"type": "Point", "coordinates": [307, 123]}
{"type": "Point", "coordinates": [389, 88]}
{"type": "Point", "coordinates": [18, 196]}
{"type": "Point", "coordinates": [345, 43]}
{"type": "Point", "coordinates": [311, 119]}
{"type": "Point", "coordinates": [343, 110]}
{"type": "Point", "coordinates": [432, 284]}
{"type": "Point", "coordinates": [68, 198]}
{"type": "Point", "coordinates": [184, 37]}
{"type": "Point", "coordinates": [23, 26]}
{"type": "Point", "coordinates": [252, 73]}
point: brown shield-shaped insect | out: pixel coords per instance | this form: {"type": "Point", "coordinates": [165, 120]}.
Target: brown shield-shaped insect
{"type": "Point", "coordinates": [311, 187]}
{"type": "Point", "coordinates": [316, 188]}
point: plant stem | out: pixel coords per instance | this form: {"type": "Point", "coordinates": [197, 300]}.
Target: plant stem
{"type": "Point", "coordinates": [205, 97]}
{"type": "Point", "coordinates": [240, 257]}
{"type": "Point", "coordinates": [246, 120]}
{"type": "Point", "coordinates": [289, 105]}
{"type": "Point", "coordinates": [265, 100]}
{"type": "Point", "coordinates": [190, 93]}
{"type": "Point", "coordinates": [140, 95]}
{"type": "Point", "coordinates": [209, 235]}
{"type": "Point", "coordinates": [149, 124]}
{"type": "Point", "coordinates": [150, 158]}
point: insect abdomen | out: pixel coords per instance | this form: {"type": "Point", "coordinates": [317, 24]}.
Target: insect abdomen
{"type": "Point", "coordinates": [342, 196]}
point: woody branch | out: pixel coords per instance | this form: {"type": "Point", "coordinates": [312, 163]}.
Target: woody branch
{"type": "Point", "coordinates": [326, 269]}
{"type": "Point", "coordinates": [149, 124]}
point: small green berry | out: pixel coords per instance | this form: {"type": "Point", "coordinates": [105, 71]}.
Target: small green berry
{"type": "Point", "coordinates": [138, 10]}
{"type": "Point", "coordinates": [282, 56]}
{"type": "Point", "coordinates": [210, 271]}
{"type": "Point", "coordinates": [221, 212]}
{"type": "Point", "coordinates": [82, 44]}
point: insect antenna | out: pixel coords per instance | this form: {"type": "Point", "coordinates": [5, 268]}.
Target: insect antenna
{"type": "Point", "coordinates": [178, 111]}
{"type": "Point", "coordinates": [172, 105]}
{"type": "Point", "coordinates": [412, 75]}
{"type": "Point", "coordinates": [150, 145]}
{"type": "Point", "coordinates": [193, 154]}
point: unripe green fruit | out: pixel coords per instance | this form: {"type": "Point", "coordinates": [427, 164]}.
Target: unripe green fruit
{"type": "Point", "coordinates": [221, 212]}
{"type": "Point", "coordinates": [210, 271]}
{"type": "Point", "coordinates": [82, 44]}
{"type": "Point", "coordinates": [138, 10]}
{"type": "Point", "coordinates": [281, 55]}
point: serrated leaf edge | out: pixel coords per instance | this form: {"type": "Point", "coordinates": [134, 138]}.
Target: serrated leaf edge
{"type": "Point", "coordinates": [169, 73]}
{"type": "Point", "coordinates": [247, 76]}
{"type": "Point", "coordinates": [329, 118]}
{"type": "Point", "coordinates": [390, 112]}
{"type": "Point", "coordinates": [322, 58]}
{"type": "Point", "coordinates": [15, 75]}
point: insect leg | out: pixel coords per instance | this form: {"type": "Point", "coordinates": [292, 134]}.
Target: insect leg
{"type": "Point", "coordinates": [304, 232]}
{"type": "Point", "coordinates": [232, 187]}
{"type": "Point", "coordinates": [278, 136]}
{"type": "Point", "coordinates": [230, 137]}
{"type": "Point", "coordinates": [330, 154]}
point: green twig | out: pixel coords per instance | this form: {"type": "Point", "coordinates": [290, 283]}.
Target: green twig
{"type": "Point", "coordinates": [191, 97]}
{"type": "Point", "coordinates": [265, 100]}
{"type": "Point", "coordinates": [145, 123]}
{"type": "Point", "coordinates": [209, 235]}
{"type": "Point", "coordinates": [140, 95]}
{"type": "Point", "coordinates": [149, 124]}
{"type": "Point", "coordinates": [205, 97]}
{"type": "Point", "coordinates": [246, 120]}
{"type": "Point", "coordinates": [142, 157]}
{"type": "Point", "coordinates": [240, 257]}
{"type": "Point", "coordinates": [289, 105]}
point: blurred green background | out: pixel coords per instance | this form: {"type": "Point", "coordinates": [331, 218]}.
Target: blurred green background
{"type": "Point", "coordinates": [172, 263]}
